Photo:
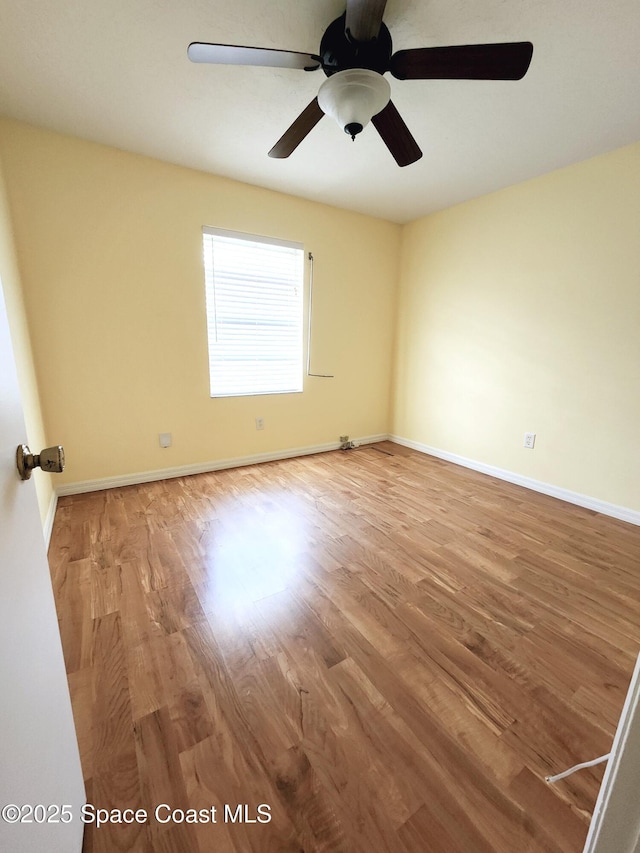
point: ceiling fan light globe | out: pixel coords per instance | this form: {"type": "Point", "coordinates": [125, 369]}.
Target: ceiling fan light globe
{"type": "Point", "coordinates": [353, 97]}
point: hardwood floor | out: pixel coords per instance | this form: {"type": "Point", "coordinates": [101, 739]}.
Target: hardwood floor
{"type": "Point", "coordinates": [388, 651]}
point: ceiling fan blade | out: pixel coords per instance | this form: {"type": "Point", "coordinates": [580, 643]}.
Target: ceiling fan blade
{"type": "Point", "coordinates": [231, 54]}
{"type": "Point", "coordinates": [364, 18]}
{"type": "Point", "coordinates": [396, 136]}
{"type": "Point", "coordinates": [506, 61]}
{"type": "Point", "coordinates": [293, 136]}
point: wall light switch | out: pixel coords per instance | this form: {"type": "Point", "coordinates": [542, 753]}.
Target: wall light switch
{"type": "Point", "coordinates": [529, 440]}
{"type": "Point", "coordinates": [165, 439]}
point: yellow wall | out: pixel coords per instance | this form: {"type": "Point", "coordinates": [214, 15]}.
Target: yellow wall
{"type": "Point", "coordinates": [110, 250]}
{"type": "Point", "coordinates": [520, 311]}
{"type": "Point", "coordinates": [20, 339]}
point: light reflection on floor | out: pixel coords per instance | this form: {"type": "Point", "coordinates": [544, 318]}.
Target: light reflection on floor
{"type": "Point", "coordinates": [254, 550]}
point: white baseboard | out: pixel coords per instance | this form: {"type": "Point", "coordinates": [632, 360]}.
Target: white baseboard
{"type": "Point", "coordinates": [202, 467]}
{"type": "Point", "coordinates": [621, 512]}
{"type": "Point", "coordinates": [47, 526]}
{"type": "Point", "coordinates": [613, 510]}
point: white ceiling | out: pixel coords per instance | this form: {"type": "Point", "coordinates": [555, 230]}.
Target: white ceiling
{"type": "Point", "coordinates": [116, 71]}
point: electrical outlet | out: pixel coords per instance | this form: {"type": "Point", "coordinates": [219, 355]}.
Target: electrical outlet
{"type": "Point", "coordinates": [165, 439]}
{"type": "Point", "coordinates": [529, 440]}
{"type": "Point", "coordinates": [259, 423]}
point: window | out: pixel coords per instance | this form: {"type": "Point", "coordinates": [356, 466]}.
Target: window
{"type": "Point", "coordinates": [254, 289]}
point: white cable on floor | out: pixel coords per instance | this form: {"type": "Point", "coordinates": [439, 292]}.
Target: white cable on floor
{"type": "Point", "coordinates": [578, 767]}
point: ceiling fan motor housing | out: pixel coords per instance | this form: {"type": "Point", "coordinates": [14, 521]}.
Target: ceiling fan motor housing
{"type": "Point", "coordinates": [339, 51]}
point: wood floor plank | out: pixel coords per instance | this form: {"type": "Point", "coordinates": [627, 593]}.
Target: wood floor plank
{"type": "Point", "coordinates": [81, 690]}
{"type": "Point", "coordinates": [72, 584]}
{"type": "Point", "coordinates": [112, 729]}
{"type": "Point", "coordinates": [385, 651]}
{"type": "Point", "coordinates": [556, 827]}
{"type": "Point", "coordinates": [115, 779]}
{"type": "Point", "coordinates": [431, 828]}
{"type": "Point", "coordinates": [162, 783]}
{"type": "Point", "coordinates": [217, 775]}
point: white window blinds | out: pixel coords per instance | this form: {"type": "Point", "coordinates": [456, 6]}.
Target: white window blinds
{"type": "Point", "coordinates": [254, 290]}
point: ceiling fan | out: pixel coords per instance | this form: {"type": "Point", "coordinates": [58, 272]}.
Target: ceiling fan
{"type": "Point", "coordinates": [355, 52]}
